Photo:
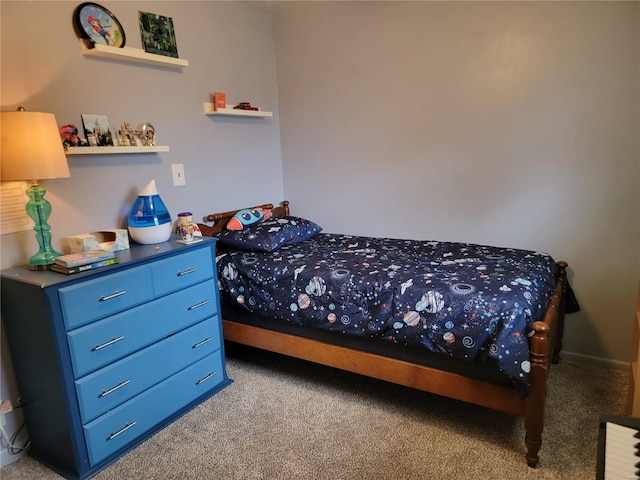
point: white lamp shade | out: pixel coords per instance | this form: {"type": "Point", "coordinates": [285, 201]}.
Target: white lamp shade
{"type": "Point", "coordinates": [31, 147]}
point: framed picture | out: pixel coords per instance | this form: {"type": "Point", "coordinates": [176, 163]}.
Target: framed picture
{"type": "Point", "coordinates": [96, 23]}
{"type": "Point", "coordinates": [97, 130]}
{"type": "Point", "coordinates": [149, 135]}
{"type": "Point", "coordinates": [158, 34]}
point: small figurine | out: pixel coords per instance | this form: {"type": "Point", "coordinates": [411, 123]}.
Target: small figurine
{"type": "Point", "coordinates": [70, 136]}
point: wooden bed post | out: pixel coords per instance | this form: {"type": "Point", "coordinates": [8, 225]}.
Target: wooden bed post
{"type": "Point", "coordinates": [545, 346]}
{"type": "Point", "coordinates": [534, 403]}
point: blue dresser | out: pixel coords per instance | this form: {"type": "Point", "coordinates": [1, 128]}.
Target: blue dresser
{"type": "Point", "coordinates": [106, 358]}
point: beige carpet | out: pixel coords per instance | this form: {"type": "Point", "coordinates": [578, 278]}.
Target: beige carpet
{"type": "Point", "coordinates": [288, 419]}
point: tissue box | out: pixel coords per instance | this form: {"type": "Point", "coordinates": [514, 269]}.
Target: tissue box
{"type": "Point", "coordinates": [112, 240]}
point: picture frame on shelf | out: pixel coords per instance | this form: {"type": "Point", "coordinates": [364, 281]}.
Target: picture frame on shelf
{"type": "Point", "coordinates": [97, 130]}
{"type": "Point", "coordinates": [158, 34]}
{"type": "Point", "coordinates": [94, 22]}
{"type": "Point", "coordinates": [148, 135]}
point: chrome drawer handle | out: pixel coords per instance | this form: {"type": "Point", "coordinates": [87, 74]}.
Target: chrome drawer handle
{"type": "Point", "coordinates": [202, 380]}
{"type": "Point", "coordinates": [110, 342]}
{"type": "Point", "coordinates": [111, 390]}
{"type": "Point", "coordinates": [206, 340]}
{"type": "Point", "coordinates": [197, 305]}
{"type": "Point", "coordinates": [121, 431]}
{"type": "Point", "coordinates": [113, 295]}
{"type": "Point", "coordinates": [187, 272]}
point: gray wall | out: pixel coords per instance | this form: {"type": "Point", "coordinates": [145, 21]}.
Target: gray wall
{"type": "Point", "coordinates": [507, 123]}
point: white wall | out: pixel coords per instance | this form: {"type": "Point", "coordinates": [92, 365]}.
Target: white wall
{"type": "Point", "coordinates": [507, 123]}
{"type": "Point", "coordinates": [228, 162]}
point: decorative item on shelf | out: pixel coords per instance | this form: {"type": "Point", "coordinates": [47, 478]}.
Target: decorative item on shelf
{"type": "Point", "coordinates": [245, 106]}
{"type": "Point", "coordinates": [96, 23]}
{"type": "Point", "coordinates": [70, 138]}
{"type": "Point", "coordinates": [149, 219]}
{"type": "Point", "coordinates": [31, 150]}
{"type": "Point", "coordinates": [219, 100]}
{"type": "Point", "coordinates": [97, 130]}
{"type": "Point", "coordinates": [188, 229]}
{"type": "Point", "coordinates": [158, 34]}
{"type": "Point", "coordinates": [114, 240]}
{"type": "Point", "coordinates": [148, 135]}
{"type": "Point", "coordinates": [128, 135]}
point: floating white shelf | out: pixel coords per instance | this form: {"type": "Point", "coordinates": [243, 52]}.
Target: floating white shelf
{"type": "Point", "coordinates": [208, 110]}
{"type": "Point", "coordinates": [129, 54]}
{"type": "Point", "coordinates": [113, 150]}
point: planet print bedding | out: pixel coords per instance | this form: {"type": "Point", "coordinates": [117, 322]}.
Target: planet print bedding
{"type": "Point", "coordinates": [473, 302]}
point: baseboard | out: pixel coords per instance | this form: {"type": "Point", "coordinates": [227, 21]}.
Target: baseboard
{"type": "Point", "coordinates": [595, 361]}
{"type": "Point", "coordinates": [6, 458]}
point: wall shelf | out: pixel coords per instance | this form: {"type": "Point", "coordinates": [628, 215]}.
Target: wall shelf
{"type": "Point", "coordinates": [113, 150]}
{"type": "Point", "coordinates": [129, 54]}
{"type": "Point", "coordinates": [208, 110]}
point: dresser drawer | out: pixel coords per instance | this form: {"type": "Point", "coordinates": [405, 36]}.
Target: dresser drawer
{"type": "Point", "coordinates": [180, 271]}
{"type": "Point", "coordinates": [100, 343]}
{"type": "Point", "coordinates": [129, 421]}
{"type": "Point", "coordinates": [109, 387]}
{"type": "Point", "coordinates": [94, 299]}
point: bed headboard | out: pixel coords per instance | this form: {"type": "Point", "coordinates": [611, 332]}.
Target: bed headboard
{"type": "Point", "coordinates": [220, 219]}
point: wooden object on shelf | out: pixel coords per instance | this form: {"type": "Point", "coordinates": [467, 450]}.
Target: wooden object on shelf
{"type": "Point", "coordinates": [633, 399]}
{"type": "Point", "coordinates": [129, 54]}
{"type": "Point", "coordinates": [209, 110]}
{"type": "Point", "coordinates": [113, 150]}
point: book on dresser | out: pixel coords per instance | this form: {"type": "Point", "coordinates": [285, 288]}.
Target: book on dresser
{"type": "Point", "coordinates": [83, 258]}
{"type": "Point", "coordinates": [82, 268]}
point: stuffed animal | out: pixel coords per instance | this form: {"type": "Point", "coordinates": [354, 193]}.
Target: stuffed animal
{"type": "Point", "coordinates": [247, 217]}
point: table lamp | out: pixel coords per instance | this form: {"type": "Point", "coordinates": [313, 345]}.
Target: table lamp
{"type": "Point", "coordinates": [32, 150]}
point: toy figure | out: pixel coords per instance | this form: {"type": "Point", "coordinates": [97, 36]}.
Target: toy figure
{"type": "Point", "coordinates": [70, 136]}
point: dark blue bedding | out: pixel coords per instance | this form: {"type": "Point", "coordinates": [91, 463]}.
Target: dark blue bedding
{"type": "Point", "coordinates": [472, 302]}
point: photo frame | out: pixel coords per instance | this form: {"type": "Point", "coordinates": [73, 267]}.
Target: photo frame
{"type": "Point", "coordinates": [97, 130]}
{"type": "Point", "coordinates": [96, 23]}
{"type": "Point", "coordinates": [148, 135]}
{"type": "Point", "coordinates": [158, 34]}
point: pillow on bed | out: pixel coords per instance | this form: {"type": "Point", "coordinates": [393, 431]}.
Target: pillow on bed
{"type": "Point", "coordinates": [247, 217]}
{"type": "Point", "coordinates": [269, 235]}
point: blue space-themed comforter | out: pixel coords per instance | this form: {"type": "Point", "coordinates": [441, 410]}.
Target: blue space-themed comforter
{"type": "Point", "coordinates": [471, 302]}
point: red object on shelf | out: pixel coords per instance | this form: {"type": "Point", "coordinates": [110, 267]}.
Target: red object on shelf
{"type": "Point", "coordinates": [219, 100]}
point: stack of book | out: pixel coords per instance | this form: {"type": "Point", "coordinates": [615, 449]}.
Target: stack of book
{"type": "Point", "coordinates": [80, 262]}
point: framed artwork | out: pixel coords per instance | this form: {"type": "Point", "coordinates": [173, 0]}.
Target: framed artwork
{"type": "Point", "coordinates": [96, 23]}
{"type": "Point", "coordinates": [158, 34]}
{"type": "Point", "coordinates": [97, 130]}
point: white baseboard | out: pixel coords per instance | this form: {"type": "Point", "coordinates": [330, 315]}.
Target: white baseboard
{"type": "Point", "coordinates": [595, 361]}
{"type": "Point", "coordinates": [6, 458]}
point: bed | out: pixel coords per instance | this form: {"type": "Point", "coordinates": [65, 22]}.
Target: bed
{"type": "Point", "coordinates": [475, 323]}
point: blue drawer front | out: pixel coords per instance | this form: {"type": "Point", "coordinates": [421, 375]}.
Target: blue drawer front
{"type": "Point", "coordinates": [109, 387]}
{"type": "Point", "coordinates": [182, 270]}
{"type": "Point", "coordinates": [123, 425]}
{"type": "Point", "coordinates": [104, 296]}
{"type": "Point", "coordinates": [96, 345]}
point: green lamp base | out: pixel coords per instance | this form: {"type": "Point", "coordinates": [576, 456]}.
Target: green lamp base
{"type": "Point", "coordinates": [39, 210]}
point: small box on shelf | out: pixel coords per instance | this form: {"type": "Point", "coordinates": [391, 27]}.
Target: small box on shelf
{"type": "Point", "coordinates": [219, 101]}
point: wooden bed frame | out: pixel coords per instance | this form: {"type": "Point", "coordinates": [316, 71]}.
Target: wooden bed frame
{"type": "Point", "coordinates": [545, 346]}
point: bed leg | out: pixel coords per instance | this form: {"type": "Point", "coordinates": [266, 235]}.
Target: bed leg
{"type": "Point", "coordinates": [534, 404]}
